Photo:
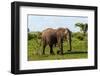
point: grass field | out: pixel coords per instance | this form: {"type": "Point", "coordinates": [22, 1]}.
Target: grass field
{"type": "Point", "coordinates": [79, 49]}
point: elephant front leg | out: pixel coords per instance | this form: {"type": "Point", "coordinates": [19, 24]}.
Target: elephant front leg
{"type": "Point", "coordinates": [60, 44]}
{"type": "Point", "coordinates": [43, 49]}
{"type": "Point", "coordinates": [62, 47]}
{"type": "Point", "coordinates": [51, 49]}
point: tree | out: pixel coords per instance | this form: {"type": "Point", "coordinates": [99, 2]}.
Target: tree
{"type": "Point", "coordinates": [28, 30]}
{"type": "Point", "coordinates": [83, 27]}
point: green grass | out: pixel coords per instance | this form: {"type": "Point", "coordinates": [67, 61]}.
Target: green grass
{"type": "Point", "coordinates": [79, 50]}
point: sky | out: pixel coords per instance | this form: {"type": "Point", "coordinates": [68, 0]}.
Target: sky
{"type": "Point", "coordinates": [41, 22]}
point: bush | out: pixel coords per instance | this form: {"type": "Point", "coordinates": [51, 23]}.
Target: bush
{"type": "Point", "coordinates": [39, 35]}
{"type": "Point", "coordinates": [35, 35]}
{"type": "Point", "coordinates": [78, 35]}
{"type": "Point", "coordinates": [30, 36]}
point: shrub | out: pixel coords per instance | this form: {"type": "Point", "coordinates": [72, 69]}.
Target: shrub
{"type": "Point", "coordinates": [39, 35]}
{"type": "Point", "coordinates": [30, 36]}
{"type": "Point", "coordinates": [78, 35]}
{"type": "Point", "coordinates": [35, 35]}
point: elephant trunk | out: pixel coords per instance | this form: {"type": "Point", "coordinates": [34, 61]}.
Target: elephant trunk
{"type": "Point", "coordinates": [69, 41]}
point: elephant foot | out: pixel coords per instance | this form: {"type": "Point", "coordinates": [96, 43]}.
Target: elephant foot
{"type": "Point", "coordinates": [62, 53]}
{"type": "Point", "coordinates": [69, 50]}
{"type": "Point", "coordinates": [59, 52]}
{"type": "Point", "coordinates": [52, 53]}
{"type": "Point", "coordinates": [43, 53]}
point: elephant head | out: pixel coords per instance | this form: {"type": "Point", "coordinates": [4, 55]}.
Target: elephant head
{"type": "Point", "coordinates": [63, 33]}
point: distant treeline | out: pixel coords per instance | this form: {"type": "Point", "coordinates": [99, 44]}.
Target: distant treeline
{"type": "Point", "coordinates": [77, 35]}
{"type": "Point", "coordinates": [81, 35]}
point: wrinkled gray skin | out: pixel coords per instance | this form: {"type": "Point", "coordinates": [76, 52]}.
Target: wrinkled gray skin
{"type": "Point", "coordinates": [52, 37]}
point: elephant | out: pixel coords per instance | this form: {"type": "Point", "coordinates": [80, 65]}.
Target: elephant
{"type": "Point", "coordinates": [52, 37]}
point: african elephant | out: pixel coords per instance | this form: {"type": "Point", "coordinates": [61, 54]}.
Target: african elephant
{"type": "Point", "coordinates": [52, 37]}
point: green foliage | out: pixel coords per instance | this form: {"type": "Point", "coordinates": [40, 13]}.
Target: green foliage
{"type": "Point", "coordinates": [39, 35]}
{"type": "Point", "coordinates": [30, 36]}
{"type": "Point", "coordinates": [35, 35]}
{"type": "Point", "coordinates": [79, 36]}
